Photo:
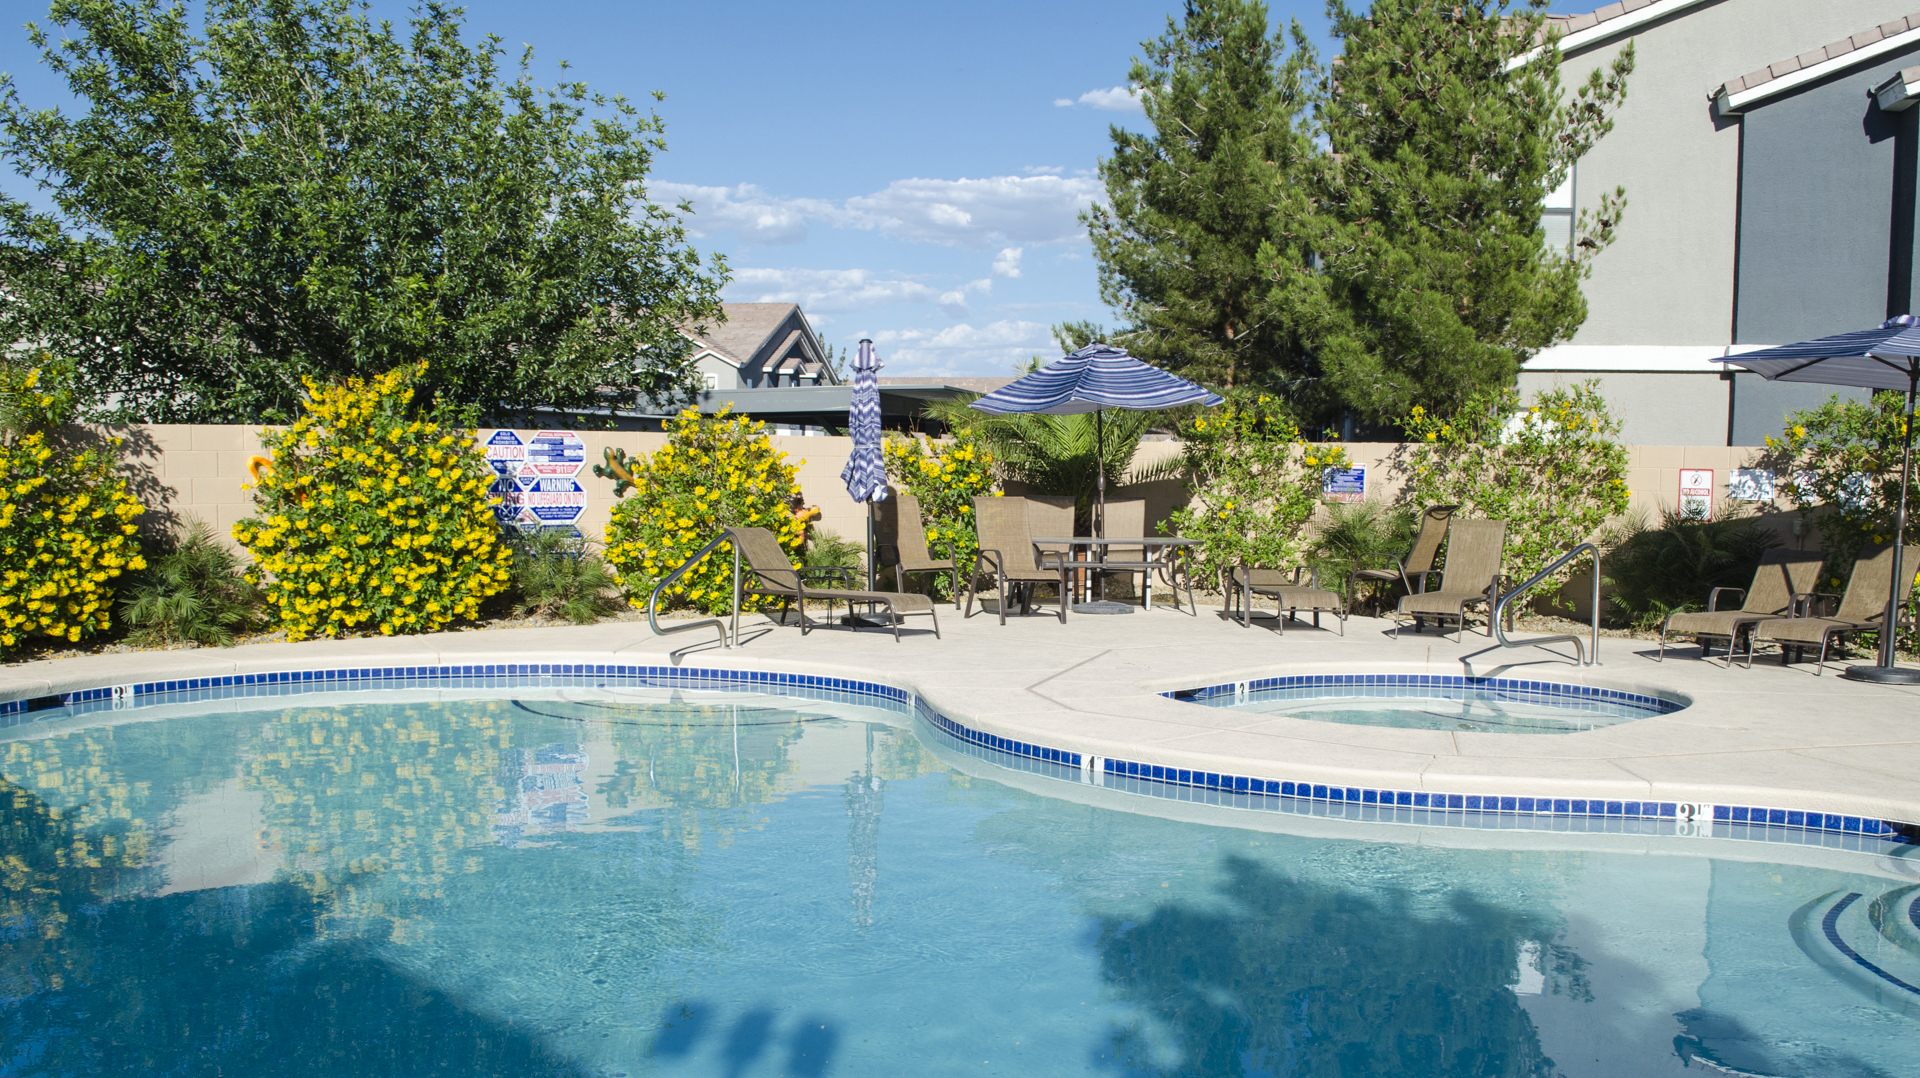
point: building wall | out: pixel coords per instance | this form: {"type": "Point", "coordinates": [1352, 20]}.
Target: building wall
{"type": "Point", "coordinates": [1668, 279]}
{"type": "Point", "coordinates": [1653, 408]}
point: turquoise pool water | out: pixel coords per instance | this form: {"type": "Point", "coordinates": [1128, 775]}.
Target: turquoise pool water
{"type": "Point", "coordinates": [1485, 705]}
{"type": "Point", "coordinates": [639, 882]}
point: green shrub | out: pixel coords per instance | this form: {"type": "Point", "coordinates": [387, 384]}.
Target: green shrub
{"type": "Point", "coordinates": [945, 477]}
{"type": "Point", "coordinates": [557, 575]}
{"type": "Point", "coordinates": [194, 593]}
{"type": "Point", "coordinates": [1657, 571]}
{"type": "Point", "coordinates": [828, 550]}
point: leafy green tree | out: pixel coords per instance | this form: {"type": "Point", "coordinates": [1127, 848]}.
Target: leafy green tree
{"type": "Point", "coordinates": [1203, 243]}
{"type": "Point", "coordinates": [1448, 126]}
{"type": "Point", "coordinates": [294, 190]}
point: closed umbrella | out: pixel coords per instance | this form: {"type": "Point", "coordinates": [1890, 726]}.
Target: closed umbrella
{"type": "Point", "coordinates": [1887, 357]}
{"type": "Point", "coordinates": [1094, 379]}
{"type": "Point", "coordinates": [866, 473]}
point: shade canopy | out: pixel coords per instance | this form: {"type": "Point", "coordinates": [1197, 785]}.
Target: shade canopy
{"type": "Point", "coordinates": [1885, 357]}
{"type": "Point", "coordinates": [1097, 376]}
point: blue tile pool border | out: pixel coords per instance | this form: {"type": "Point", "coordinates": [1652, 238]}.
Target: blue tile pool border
{"type": "Point", "coordinates": [1342, 686]}
{"type": "Point", "coordinates": [1546, 810]}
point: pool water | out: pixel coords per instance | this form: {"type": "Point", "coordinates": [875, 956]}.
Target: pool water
{"type": "Point", "coordinates": [1486, 706]}
{"type": "Point", "coordinates": [648, 882]}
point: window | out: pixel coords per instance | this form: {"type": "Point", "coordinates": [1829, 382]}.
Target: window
{"type": "Point", "coordinates": [1556, 217]}
{"type": "Point", "coordinates": [711, 379]}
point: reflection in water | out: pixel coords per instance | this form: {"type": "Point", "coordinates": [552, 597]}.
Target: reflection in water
{"type": "Point", "coordinates": [1294, 977]}
{"type": "Point", "coordinates": [865, 801]}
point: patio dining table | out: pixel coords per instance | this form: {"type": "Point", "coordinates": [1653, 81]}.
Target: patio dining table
{"type": "Point", "coordinates": [1097, 547]}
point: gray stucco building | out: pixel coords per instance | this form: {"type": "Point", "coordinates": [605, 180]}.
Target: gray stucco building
{"type": "Point", "coordinates": [1768, 154]}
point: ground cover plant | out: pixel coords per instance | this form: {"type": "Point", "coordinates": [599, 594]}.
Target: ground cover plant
{"type": "Point", "coordinates": [67, 530]}
{"type": "Point", "coordinates": [375, 513]}
{"type": "Point", "coordinates": [1256, 482]}
{"type": "Point", "coordinates": [1656, 571]}
{"type": "Point", "coordinates": [715, 472]}
{"type": "Point", "coordinates": [196, 592]}
{"type": "Point", "coordinates": [1553, 470]}
{"type": "Point", "coordinates": [945, 476]}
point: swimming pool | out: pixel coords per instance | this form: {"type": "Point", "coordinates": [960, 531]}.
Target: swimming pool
{"type": "Point", "coordinates": [1436, 702]}
{"type": "Point", "coordinates": [599, 876]}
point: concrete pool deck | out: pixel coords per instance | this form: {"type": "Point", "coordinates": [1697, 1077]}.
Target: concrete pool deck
{"type": "Point", "coordinates": [1766, 736]}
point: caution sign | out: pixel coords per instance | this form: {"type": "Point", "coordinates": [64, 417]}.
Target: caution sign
{"type": "Point", "coordinates": [505, 452]}
{"type": "Point", "coordinates": [550, 502]}
{"type": "Point", "coordinates": [552, 450]}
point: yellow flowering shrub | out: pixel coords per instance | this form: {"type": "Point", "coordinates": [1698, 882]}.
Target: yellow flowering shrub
{"type": "Point", "coordinates": [369, 519]}
{"type": "Point", "coordinates": [714, 472]}
{"type": "Point", "coordinates": [944, 477]}
{"type": "Point", "coordinates": [66, 519]}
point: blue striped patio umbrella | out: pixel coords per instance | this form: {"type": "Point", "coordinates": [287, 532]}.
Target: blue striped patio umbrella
{"type": "Point", "coordinates": [866, 473]}
{"type": "Point", "coordinates": [1094, 379]}
{"type": "Point", "coordinates": [1886, 357]}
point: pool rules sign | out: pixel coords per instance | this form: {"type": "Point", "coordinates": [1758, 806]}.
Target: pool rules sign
{"type": "Point", "coordinates": [539, 484]}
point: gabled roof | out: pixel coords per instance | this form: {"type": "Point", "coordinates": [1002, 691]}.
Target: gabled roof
{"type": "Point", "coordinates": [747, 329]}
{"type": "Point", "coordinates": [1815, 64]}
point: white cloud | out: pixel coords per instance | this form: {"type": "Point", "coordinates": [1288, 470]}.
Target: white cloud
{"type": "Point", "coordinates": [826, 290]}
{"type": "Point", "coordinates": [1007, 262]}
{"type": "Point", "coordinates": [995, 348]}
{"type": "Point", "coordinates": [1043, 170]}
{"type": "Point", "coordinates": [970, 213]}
{"type": "Point", "coordinates": [1117, 99]}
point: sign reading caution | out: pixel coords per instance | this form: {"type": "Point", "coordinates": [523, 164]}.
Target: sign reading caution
{"type": "Point", "coordinates": [539, 477]}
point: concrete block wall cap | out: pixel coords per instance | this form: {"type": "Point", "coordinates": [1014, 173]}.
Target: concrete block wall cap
{"type": "Point", "coordinates": [1839, 48]}
{"type": "Point", "coordinates": [1784, 67]}
{"type": "Point", "coordinates": [1581, 22]}
{"type": "Point", "coordinates": [1894, 26]}
{"type": "Point", "coordinates": [1755, 78]}
{"type": "Point", "coordinates": [1611, 11]}
{"type": "Point", "coordinates": [1811, 57]}
{"type": "Point", "coordinates": [1867, 37]}
{"type": "Point", "coordinates": [1636, 5]}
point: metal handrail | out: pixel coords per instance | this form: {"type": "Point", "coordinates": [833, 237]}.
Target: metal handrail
{"type": "Point", "coordinates": [653, 601]}
{"type": "Point", "coordinates": [1580, 651]}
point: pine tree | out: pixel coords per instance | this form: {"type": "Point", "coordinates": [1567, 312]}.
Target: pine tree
{"type": "Point", "coordinates": [1208, 222]}
{"type": "Point", "coordinates": [1447, 127]}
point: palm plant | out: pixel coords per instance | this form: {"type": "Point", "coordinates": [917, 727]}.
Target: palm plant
{"type": "Point", "coordinates": [1657, 571]}
{"type": "Point", "coordinates": [195, 593]}
{"type": "Point", "coordinates": [557, 575]}
{"type": "Point", "coordinates": [1357, 534]}
{"type": "Point", "coordinates": [1060, 454]}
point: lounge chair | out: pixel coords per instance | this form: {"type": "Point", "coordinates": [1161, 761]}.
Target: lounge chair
{"type": "Point", "coordinates": [1289, 595]}
{"type": "Point", "coordinates": [1417, 566]}
{"type": "Point", "coordinates": [904, 547]}
{"type": "Point", "coordinates": [1008, 554]}
{"type": "Point", "coordinates": [1782, 575]}
{"type": "Point", "coordinates": [1862, 607]}
{"type": "Point", "coordinates": [1471, 575]}
{"type": "Point", "coordinates": [769, 572]}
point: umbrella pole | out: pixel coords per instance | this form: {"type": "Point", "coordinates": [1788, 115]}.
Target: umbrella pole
{"type": "Point", "coordinates": [1885, 672]}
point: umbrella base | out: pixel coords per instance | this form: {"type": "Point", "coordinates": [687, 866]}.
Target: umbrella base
{"type": "Point", "coordinates": [1102, 606]}
{"type": "Point", "coordinates": [1883, 675]}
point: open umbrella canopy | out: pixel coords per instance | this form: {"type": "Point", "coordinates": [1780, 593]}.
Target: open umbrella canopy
{"type": "Point", "coordinates": [1097, 376]}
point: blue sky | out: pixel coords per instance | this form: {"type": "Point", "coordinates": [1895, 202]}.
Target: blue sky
{"type": "Point", "coordinates": [910, 172]}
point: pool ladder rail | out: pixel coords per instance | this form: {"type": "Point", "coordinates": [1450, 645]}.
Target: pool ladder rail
{"type": "Point", "coordinates": [1588, 656]}
{"type": "Point", "coordinates": [727, 640]}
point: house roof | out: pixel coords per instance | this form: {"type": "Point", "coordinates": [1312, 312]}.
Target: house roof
{"type": "Point", "coordinates": [747, 329]}
{"type": "Point", "coordinates": [1781, 76]}
{"type": "Point", "coordinates": [1578, 32]}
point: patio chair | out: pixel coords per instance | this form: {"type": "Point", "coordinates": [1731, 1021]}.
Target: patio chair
{"type": "Point", "coordinates": [769, 572]}
{"type": "Point", "coordinates": [1126, 519]}
{"type": "Point", "coordinates": [904, 547]}
{"type": "Point", "coordinates": [1471, 575]}
{"type": "Point", "coordinates": [1008, 554]}
{"type": "Point", "coordinates": [1861, 608]}
{"type": "Point", "coordinates": [1783, 574]}
{"type": "Point", "coordinates": [1289, 595]}
{"type": "Point", "coordinates": [1417, 565]}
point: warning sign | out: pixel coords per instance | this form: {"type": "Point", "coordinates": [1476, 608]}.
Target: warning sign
{"type": "Point", "coordinates": [557, 448]}
{"type": "Point", "coordinates": [1345, 484]}
{"type": "Point", "coordinates": [505, 451]}
{"type": "Point", "coordinates": [551, 501]}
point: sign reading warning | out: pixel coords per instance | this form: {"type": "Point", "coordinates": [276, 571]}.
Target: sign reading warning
{"type": "Point", "coordinates": [551, 501]}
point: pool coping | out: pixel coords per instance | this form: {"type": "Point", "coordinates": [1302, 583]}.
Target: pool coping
{"type": "Point", "coordinates": [1545, 809]}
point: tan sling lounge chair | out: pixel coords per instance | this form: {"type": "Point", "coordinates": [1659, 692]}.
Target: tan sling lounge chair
{"type": "Point", "coordinates": [768, 571]}
{"type": "Point", "coordinates": [1009, 556]}
{"type": "Point", "coordinates": [904, 543]}
{"type": "Point", "coordinates": [1783, 574]}
{"type": "Point", "coordinates": [1471, 575]}
{"type": "Point", "coordinates": [1288, 593]}
{"type": "Point", "coordinates": [1862, 608]}
{"type": "Point", "coordinates": [1413, 570]}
